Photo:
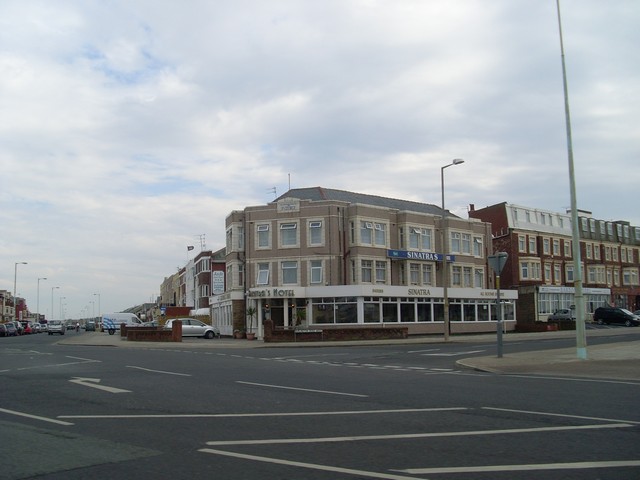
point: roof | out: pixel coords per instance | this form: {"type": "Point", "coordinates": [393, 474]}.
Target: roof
{"type": "Point", "coordinates": [322, 194]}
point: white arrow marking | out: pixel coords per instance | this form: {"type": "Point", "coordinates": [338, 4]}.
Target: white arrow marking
{"type": "Point", "coordinates": [93, 383]}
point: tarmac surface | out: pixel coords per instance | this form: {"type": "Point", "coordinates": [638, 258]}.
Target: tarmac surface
{"type": "Point", "coordinates": [613, 361]}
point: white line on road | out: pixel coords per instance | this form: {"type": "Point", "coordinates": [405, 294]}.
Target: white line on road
{"type": "Point", "coordinates": [523, 468]}
{"type": "Point", "coordinates": [281, 414]}
{"type": "Point", "coordinates": [313, 466]}
{"type": "Point", "coordinates": [158, 371]}
{"type": "Point", "coordinates": [273, 441]}
{"type": "Point", "coordinates": [454, 354]}
{"type": "Point", "coordinates": [34, 417]}
{"type": "Point", "coordinates": [529, 412]}
{"type": "Point", "coordinates": [303, 389]}
{"type": "Point", "coordinates": [94, 383]}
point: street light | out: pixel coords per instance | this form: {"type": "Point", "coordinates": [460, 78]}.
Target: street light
{"type": "Point", "coordinates": [98, 295]}
{"type": "Point", "coordinates": [52, 289]}
{"type": "Point", "coordinates": [15, 279]}
{"type": "Point", "coordinates": [445, 251]}
{"type": "Point", "coordinates": [60, 302]}
{"type": "Point", "coordinates": [38, 301]}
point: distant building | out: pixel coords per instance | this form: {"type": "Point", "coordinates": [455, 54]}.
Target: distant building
{"type": "Point", "coordinates": [540, 263]}
{"type": "Point", "coordinates": [324, 257]}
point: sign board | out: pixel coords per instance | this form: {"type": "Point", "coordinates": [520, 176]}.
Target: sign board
{"type": "Point", "coordinates": [413, 255]}
{"type": "Point", "coordinates": [217, 281]}
{"type": "Point", "coordinates": [497, 261]}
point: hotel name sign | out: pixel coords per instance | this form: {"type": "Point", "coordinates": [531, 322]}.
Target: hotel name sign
{"type": "Point", "coordinates": [413, 255]}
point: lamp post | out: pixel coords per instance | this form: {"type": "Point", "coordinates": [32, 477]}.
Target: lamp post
{"type": "Point", "coordinates": [98, 295]}
{"type": "Point", "coordinates": [445, 251]}
{"type": "Point", "coordinates": [60, 303]}
{"type": "Point", "coordinates": [15, 280]}
{"type": "Point", "coordinates": [581, 336]}
{"type": "Point", "coordinates": [52, 289]}
{"type": "Point", "coordinates": [38, 299]}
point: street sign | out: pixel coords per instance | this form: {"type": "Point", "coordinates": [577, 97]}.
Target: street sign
{"type": "Point", "coordinates": [497, 261]}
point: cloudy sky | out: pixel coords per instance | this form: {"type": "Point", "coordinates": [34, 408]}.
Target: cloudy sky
{"type": "Point", "coordinates": [128, 128]}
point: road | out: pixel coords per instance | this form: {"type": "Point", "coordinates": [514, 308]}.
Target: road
{"type": "Point", "coordinates": [382, 412]}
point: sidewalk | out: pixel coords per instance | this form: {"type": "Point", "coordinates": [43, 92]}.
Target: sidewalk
{"type": "Point", "coordinates": [613, 361]}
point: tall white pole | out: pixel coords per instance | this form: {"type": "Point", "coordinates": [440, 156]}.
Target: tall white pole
{"type": "Point", "coordinates": [15, 281]}
{"type": "Point", "coordinates": [581, 336]}
{"type": "Point", "coordinates": [38, 300]}
{"type": "Point", "coordinates": [445, 253]}
{"type": "Point", "coordinates": [52, 289]}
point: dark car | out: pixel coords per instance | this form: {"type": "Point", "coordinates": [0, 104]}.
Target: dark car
{"type": "Point", "coordinates": [11, 329]}
{"type": "Point", "coordinates": [608, 315]}
{"type": "Point", "coordinates": [564, 314]}
{"type": "Point", "coordinates": [3, 330]}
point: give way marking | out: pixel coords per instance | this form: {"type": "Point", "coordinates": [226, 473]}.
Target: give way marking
{"type": "Point", "coordinates": [95, 383]}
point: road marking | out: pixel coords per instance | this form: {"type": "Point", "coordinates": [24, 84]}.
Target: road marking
{"type": "Point", "coordinates": [275, 441]}
{"type": "Point", "coordinates": [35, 417]}
{"type": "Point", "coordinates": [159, 371]}
{"type": "Point", "coordinates": [281, 414]}
{"type": "Point", "coordinates": [422, 351]}
{"type": "Point", "coordinates": [521, 468]}
{"type": "Point", "coordinates": [559, 415]}
{"type": "Point", "coordinates": [94, 383]}
{"type": "Point", "coordinates": [303, 389]}
{"type": "Point", "coordinates": [313, 466]}
{"type": "Point", "coordinates": [454, 354]}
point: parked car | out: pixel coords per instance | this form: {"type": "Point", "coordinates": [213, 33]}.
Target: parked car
{"type": "Point", "coordinates": [11, 329]}
{"type": "Point", "coordinates": [564, 314]}
{"type": "Point", "coordinates": [56, 326]}
{"type": "Point", "coordinates": [18, 326]}
{"type": "Point", "coordinates": [608, 315]}
{"type": "Point", "coordinates": [192, 327]}
{"type": "Point", "coordinates": [90, 327]}
{"type": "Point", "coordinates": [3, 330]}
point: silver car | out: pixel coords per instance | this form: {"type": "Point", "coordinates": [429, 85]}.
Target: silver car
{"type": "Point", "coordinates": [56, 326]}
{"type": "Point", "coordinates": [192, 327]}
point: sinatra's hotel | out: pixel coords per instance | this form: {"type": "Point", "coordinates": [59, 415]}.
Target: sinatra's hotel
{"type": "Point", "coordinates": [319, 257]}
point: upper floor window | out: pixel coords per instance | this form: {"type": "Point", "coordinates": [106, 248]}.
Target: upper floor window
{"type": "Point", "coordinates": [460, 243]}
{"type": "Point", "coordinates": [532, 244]}
{"type": "Point", "coordinates": [315, 233]}
{"type": "Point", "coordinates": [556, 246]}
{"type": "Point", "coordinates": [263, 274]}
{"type": "Point", "coordinates": [372, 233]}
{"type": "Point", "coordinates": [546, 246]}
{"type": "Point", "coordinates": [522, 244]}
{"type": "Point", "coordinates": [289, 273]}
{"type": "Point", "coordinates": [288, 234]}
{"type": "Point", "coordinates": [381, 271]}
{"type": "Point", "coordinates": [420, 238]}
{"type": "Point", "coordinates": [316, 271]}
{"type": "Point", "coordinates": [264, 235]}
{"type": "Point", "coordinates": [477, 247]}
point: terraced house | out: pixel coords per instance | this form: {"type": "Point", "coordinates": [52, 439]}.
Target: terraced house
{"type": "Point", "coordinates": [541, 265]}
{"type": "Point", "coordinates": [322, 257]}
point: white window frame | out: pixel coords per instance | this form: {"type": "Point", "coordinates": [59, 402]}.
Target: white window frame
{"type": "Point", "coordinates": [284, 235]}
{"type": "Point", "coordinates": [316, 228]}
{"type": "Point", "coordinates": [263, 233]}
{"type": "Point", "coordinates": [316, 272]}
{"type": "Point", "coordinates": [262, 277]}
{"type": "Point", "coordinates": [289, 268]}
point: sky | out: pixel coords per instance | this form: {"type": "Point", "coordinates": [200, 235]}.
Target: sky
{"type": "Point", "coordinates": [129, 129]}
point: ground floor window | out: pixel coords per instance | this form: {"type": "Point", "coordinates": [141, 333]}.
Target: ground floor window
{"type": "Point", "coordinates": [405, 310]}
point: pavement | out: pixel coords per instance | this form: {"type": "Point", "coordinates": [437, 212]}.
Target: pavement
{"type": "Point", "coordinates": [616, 361]}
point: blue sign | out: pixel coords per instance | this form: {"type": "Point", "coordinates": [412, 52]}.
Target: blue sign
{"type": "Point", "coordinates": [411, 255]}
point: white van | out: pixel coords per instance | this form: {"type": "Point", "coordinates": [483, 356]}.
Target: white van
{"type": "Point", "coordinates": [112, 321]}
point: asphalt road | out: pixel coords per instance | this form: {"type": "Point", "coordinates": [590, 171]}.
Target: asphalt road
{"type": "Point", "coordinates": [335, 412]}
